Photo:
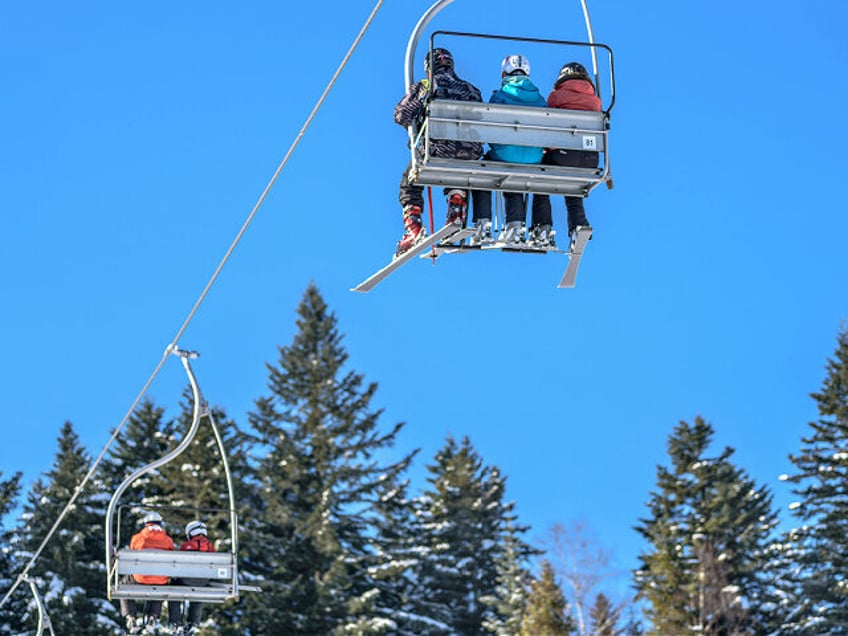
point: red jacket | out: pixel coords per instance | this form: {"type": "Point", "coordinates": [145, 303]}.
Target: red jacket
{"type": "Point", "coordinates": [198, 544]}
{"type": "Point", "coordinates": [575, 94]}
{"type": "Point", "coordinates": [151, 537]}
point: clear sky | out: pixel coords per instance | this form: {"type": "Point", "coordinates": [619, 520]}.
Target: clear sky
{"type": "Point", "coordinates": [135, 139]}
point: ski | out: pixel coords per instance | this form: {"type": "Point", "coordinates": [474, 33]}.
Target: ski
{"type": "Point", "coordinates": [449, 232]}
{"type": "Point", "coordinates": [574, 256]}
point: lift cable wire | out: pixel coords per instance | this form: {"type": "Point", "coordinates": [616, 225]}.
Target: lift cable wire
{"type": "Point", "coordinates": [172, 347]}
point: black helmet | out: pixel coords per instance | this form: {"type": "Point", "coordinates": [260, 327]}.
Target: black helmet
{"type": "Point", "coordinates": [442, 58]}
{"type": "Point", "coordinates": [572, 70]}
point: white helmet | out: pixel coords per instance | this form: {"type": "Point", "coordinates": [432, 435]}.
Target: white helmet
{"type": "Point", "coordinates": [152, 517]}
{"type": "Point", "coordinates": [515, 64]}
{"type": "Point", "coordinates": [194, 528]}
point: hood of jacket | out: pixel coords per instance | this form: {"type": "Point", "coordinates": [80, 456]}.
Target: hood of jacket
{"type": "Point", "coordinates": [575, 94]}
{"type": "Point", "coordinates": [519, 89]}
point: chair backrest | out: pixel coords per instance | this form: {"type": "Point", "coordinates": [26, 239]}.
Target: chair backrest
{"type": "Point", "coordinates": [177, 564]}
{"type": "Point", "coordinates": [517, 125]}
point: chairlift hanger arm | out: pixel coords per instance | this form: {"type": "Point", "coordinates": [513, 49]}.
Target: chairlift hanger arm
{"type": "Point", "coordinates": [115, 565]}
{"type": "Point", "coordinates": [43, 618]}
{"type": "Point", "coordinates": [427, 17]}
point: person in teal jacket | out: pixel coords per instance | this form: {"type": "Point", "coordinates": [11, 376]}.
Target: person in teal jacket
{"type": "Point", "coordinates": [516, 88]}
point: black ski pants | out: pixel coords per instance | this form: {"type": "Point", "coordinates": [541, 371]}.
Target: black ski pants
{"type": "Point", "coordinates": [574, 205]}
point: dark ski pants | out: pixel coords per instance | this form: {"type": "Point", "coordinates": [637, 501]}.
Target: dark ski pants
{"type": "Point", "coordinates": [516, 207]}
{"type": "Point", "coordinates": [195, 609]}
{"type": "Point", "coordinates": [150, 608]}
{"type": "Point", "coordinates": [414, 195]}
{"type": "Point", "coordinates": [574, 205]}
{"type": "Point", "coordinates": [514, 202]}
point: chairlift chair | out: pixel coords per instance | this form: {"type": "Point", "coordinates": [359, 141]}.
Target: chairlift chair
{"type": "Point", "coordinates": [509, 124]}
{"type": "Point", "coordinates": [220, 569]}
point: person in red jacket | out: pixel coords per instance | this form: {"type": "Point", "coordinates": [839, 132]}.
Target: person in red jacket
{"type": "Point", "coordinates": [197, 541]}
{"type": "Point", "coordinates": [574, 90]}
{"type": "Point", "coordinates": [152, 536]}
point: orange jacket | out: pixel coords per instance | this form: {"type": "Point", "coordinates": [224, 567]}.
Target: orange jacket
{"type": "Point", "coordinates": [198, 544]}
{"type": "Point", "coordinates": [151, 537]}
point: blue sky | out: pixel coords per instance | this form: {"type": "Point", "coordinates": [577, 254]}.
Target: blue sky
{"type": "Point", "coordinates": [136, 139]}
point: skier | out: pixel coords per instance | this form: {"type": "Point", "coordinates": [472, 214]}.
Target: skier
{"type": "Point", "coordinates": [196, 541]}
{"type": "Point", "coordinates": [152, 536]}
{"type": "Point", "coordinates": [445, 85]}
{"type": "Point", "coordinates": [574, 90]}
{"type": "Point", "coordinates": [516, 88]}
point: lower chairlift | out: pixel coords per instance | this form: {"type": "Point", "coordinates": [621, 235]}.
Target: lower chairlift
{"type": "Point", "coordinates": [217, 572]}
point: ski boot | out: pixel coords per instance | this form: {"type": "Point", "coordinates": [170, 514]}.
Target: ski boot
{"type": "Point", "coordinates": [414, 229]}
{"type": "Point", "coordinates": [482, 233]}
{"type": "Point", "coordinates": [457, 206]}
{"type": "Point", "coordinates": [542, 237]}
{"type": "Point", "coordinates": [513, 234]}
{"type": "Point", "coordinates": [572, 234]}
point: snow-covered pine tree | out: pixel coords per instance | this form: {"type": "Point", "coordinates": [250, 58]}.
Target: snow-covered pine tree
{"type": "Point", "coordinates": [463, 525]}
{"type": "Point", "coordinates": [547, 610]}
{"type": "Point", "coordinates": [12, 612]}
{"type": "Point", "coordinates": [815, 597]}
{"type": "Point", "coordinates": [70, 569]}
{"type": "Point", "coordinates": [709, 530]}
{"type": "Point", "coordinates": [321, 473]}
{"type": "Point", "coordinates": [399, 551]}
{"type": "Point", "coordinates": [511, 591]}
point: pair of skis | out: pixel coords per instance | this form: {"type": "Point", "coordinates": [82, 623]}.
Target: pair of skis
{"type": "Point", "coordinates": [444, 240]}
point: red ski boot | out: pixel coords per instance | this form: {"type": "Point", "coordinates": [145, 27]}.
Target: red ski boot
{"type": "Point", "coordinates": [414, 229]}
{"type": "Point", "coordinates": [457, 206]}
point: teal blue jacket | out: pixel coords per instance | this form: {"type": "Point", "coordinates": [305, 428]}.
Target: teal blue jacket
{"type": "Point", "coordinates": [518, 90]}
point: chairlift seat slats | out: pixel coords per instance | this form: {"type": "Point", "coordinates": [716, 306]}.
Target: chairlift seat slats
{"type": "Point", "coordinates": [508, 177]}
{"type": "Point", "coordinates": [203, 594]}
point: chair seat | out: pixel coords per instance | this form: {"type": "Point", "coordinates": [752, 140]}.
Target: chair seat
{"type": "Point", "coordinates": [507, 177]}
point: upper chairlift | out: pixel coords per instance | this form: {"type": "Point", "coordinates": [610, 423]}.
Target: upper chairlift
{"type": "Point", "coordinates": [514, 125]}
{"type": "Point", "coordinates": [504, 124]}
{"type": "Point", "coordinates": [220, 569]}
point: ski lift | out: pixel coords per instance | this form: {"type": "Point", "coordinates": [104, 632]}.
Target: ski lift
{"type": "Point", "coordinates": [509, 124]}
{"type": "Point", "coordinates": [220, 569]}
{"type": "Point", "coordinates": [44, 624]}
{"type": "Point", "coordinates": [503, 124]}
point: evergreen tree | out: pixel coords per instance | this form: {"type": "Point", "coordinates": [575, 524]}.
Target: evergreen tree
{"type": "Point", "coordinates": [69, 572]}
{"type": "Point", "coordinates": [605, 617]}
{"type": "Point", "coordinates": [399, 554]}
{"type": "Point", "coordinates": [12, 612]}
{"type": "Point", "coordinates": [547, 611]}
{"type": "Point", "coordinates": [321, 483]}
{"type": "Point", "coordinates": [464, 522]}
{"type": "Point", "coordinates": [709, 531]}
{"type": "Point", "coordinates": [511, 590]}
{"type": "Point", "coordinates": [815, 584]}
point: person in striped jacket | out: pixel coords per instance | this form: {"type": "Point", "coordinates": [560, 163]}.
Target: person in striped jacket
{"type": "Point", "coordinates": [445, 85]}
